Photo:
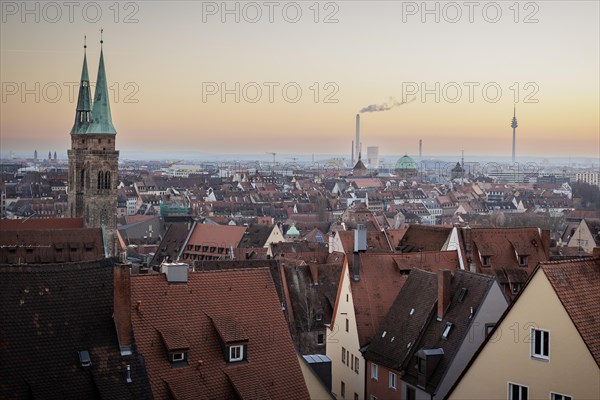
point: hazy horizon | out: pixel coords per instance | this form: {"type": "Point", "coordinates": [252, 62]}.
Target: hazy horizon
{"type": "Point", "coordinates": [166, 83]}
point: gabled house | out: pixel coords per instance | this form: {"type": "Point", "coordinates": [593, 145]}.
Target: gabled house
{"type": "Point", "coordinates": [431, 331]}
{"type": "Point", "coordinates": [210, 242]}
{"type": "Point", "coordinates": [547, 343]}
{"type": "Point", "coordinates": [214, 335]}
{"type": "Point", "coordinates": [509, 254]}
{"type": "Point", "coordinates": [369, 284]}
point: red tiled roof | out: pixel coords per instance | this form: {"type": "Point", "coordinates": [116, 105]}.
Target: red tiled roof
{"type": "Point", "coordinates": [236, 294]}
{"type": "Point", "coordinates": [216, 235]}
{"type": "Point", "coordinates": [381, 278]}
{"type": "Point", "coordinates": [174, 339]}
{"type": "Point", "coordinates": [577, 285]}
{"type": "Point", "coordinates": [38, 246]}
{"type": "Point", "coordinates": [41, 223]}
{"type": "Point", "coordinates": [230, 330]}
{"type": "Point", "coordinates": [247, 387]}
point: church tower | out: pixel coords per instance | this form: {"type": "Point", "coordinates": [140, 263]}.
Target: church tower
{"type": "Point", "coordinates": [93, 160]}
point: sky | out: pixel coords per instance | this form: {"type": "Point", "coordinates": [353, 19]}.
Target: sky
{"type": "Point", "coordinates": [289, 77]}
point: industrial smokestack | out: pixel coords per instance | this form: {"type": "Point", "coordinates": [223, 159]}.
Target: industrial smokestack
{"type": "Point", "coordinates": [514, 125]}
{"type": "Point", "coordinates": [352, 151]}
{"type": "Point", "coordinates": [357, 142]}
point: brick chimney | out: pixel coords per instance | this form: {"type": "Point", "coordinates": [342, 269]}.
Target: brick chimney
{"type": "Point", "coordinates": [546, 242]}
{"type": "Point", "coordinates": [314, 272]}
{"type": "Point", "coordinates": [122, 307]}
{"type": "Point", "coordinates": [444, 277]}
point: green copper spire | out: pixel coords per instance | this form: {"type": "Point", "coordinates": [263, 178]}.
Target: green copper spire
{"type": "Point", "coordinates": [84, 108]}
{"type": "Point", "coordinates": [101, 119]}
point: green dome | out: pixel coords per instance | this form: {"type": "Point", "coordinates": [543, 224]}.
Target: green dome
{"type": "Point", "coordinates": [406, 162]}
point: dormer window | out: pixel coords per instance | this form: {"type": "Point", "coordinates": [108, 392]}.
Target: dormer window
{"type": "Point", "coordinates": [523, 261]}
{"type": "Point", "coordinates": [176, 345]}
{"type": "Point", "coordinates": [178, 357]}
{"type": "Point", "coordinates": [485, 261]}
{"type": "Point", "coordinates": [319, 316]}
{"type": "Point", "coordinates": [236, 353]}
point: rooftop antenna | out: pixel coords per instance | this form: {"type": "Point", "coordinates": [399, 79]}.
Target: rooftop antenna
{"type": "Point", "coordinates": [84, 43]}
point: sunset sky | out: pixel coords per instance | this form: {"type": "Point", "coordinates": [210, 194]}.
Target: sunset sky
{"type": "Point", "coordinates": [162, 58]}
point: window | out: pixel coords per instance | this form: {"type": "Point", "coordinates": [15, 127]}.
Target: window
{"type": "Point", "coordinates": [556, 396]}
{"type": "Point", "coordinates": [355, 396]}
{"type": "Point", "coordinates": [236, 353]}
{"type": "Point", "coordinates": [347, 297]}
{"type": "Point", "coordinates": [523, 261]}
{"type": "Point", "coordinates": [517, 392]}
{"type": "Point", "coordinates": [374, 371]}
{"type": "Point", "coordinates": [356, 364]}
{"type": "Point", "coordinates": [462, 294]}
{"type": "Point", "coordinates": [392, 380]}
{"type": "Point", "coordinates": [320, 339]}
{"type": "Point", "coordinates": [373, 397]}
{"type": "Point", "coordinates": [176, 357]}
{"type": "Point", "coordinates": [516, 287]}
{"type": "Point", "coordinates": [343, 355]}
{"type": "Point", "coordinates": [347, 325]}
{"type": "Point", "coordinates": [447, 330]}
{"type": "Point", "coordinates": [351, 362]}
{"type": "Point", "coordinates": [485, 261]}
{"type": "Point", "coordinates": [540, 344]}
{"type": "Point", "coordinates": [319, 316]}
{"type": "Point", "coordinates": [347, 357]}
{"type": "Point", "coordinates": [343, 390]}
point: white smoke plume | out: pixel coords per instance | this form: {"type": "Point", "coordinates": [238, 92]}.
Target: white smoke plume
{"type": "Point", "coordinates": [385, 106]}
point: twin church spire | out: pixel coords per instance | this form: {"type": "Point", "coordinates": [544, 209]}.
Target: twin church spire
{"type": "Point", "coordinates": [93, 118]}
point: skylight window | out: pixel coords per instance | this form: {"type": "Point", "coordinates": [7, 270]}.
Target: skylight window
{"type": "Point", "coordinates": [462, 294]}
{"type": "Point", "coordinates": [447, 330]}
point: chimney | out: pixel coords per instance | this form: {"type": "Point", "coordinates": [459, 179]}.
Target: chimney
{"type": "Point", "coordinates": [314, 272]}
{"type": "Point", "coordinates": [360, 238]}
{"type": "Point", "coordinates": [122, 307]}
{"type": "Point", "coordinates": [444, 277]}
{"type": "Point", "coordinates": [545, 234]}
{"type": "Point", "coordinates": [468, 246]}
{"type": "Point", "coordinates": [352, 166]}
{"type": "Point", "coordinates": [360, 246]}
{"type": "Point", "coordinates": [175, 272]}
{"type": "Point", "coordinates": [357, 142]}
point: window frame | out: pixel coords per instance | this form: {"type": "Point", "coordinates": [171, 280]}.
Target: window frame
{"type": "Point", "coordinates": [392, 378]}
{"type": "Point", "coordinates": [241, 355]}
{"type": "Point", "coordinates": [560, 396]}
{"type": "Point", "coordinates": [374, 372]}
{"type": "Point", "coordinates": [175, 360]}
{"type": "Point", "coordinates": [546, 340]}
{"type": "Point", "coordinates": [510, 386]}
{"type": "Point", "coordinates": [485, 261]}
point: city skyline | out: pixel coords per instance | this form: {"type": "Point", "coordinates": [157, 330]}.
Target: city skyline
{"type": "Point", "coordinates": [166, 85]}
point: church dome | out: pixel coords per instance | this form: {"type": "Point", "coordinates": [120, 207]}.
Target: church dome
{"type": "Point", "coordinates": [405, 163]}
